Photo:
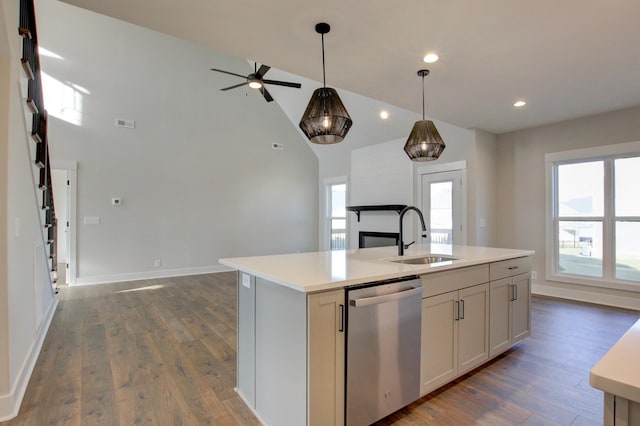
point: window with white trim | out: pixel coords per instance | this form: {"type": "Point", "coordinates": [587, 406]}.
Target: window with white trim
{"type": "Point", "coordinates": [596, 220]}
{"type": "Point", "coordinates": [337, 197]}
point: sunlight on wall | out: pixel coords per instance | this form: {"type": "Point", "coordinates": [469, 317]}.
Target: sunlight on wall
{"type": "Point", "coordinates": [63, 100]}
{"type": "Point", "coordinates": [49, 54]}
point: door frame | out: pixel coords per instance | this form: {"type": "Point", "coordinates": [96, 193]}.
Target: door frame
{"type": "Point", "coordinates": [71, 168]}
{"type": "Point", "coordinates": [455, 166]}
{"type": "Point", "coordinates": [325, 204]}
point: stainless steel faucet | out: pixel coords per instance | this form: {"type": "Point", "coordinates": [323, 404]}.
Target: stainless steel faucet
{"type": "Point", "coordinates": [401, 245]}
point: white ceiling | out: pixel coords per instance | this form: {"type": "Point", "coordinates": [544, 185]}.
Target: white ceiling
{"type": "Point", "coordinates": [567, 58]}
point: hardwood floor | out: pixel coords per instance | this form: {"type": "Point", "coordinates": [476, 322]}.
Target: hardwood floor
{"type": "Point", "coordinates": [162, 352]}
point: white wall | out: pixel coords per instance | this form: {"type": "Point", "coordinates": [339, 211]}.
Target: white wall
{"type": "Point", "coordinates": [380, 174]}
{"type": "Point", "coordinates": [521, 176]}
{"type": "Point", "coordinates": [197, 176]}
{"type": "Point", "coordinates": [25, 289]}
{"type": "Point", "coordinates": [5, 65]}
{"type": "Point", "coordinates": [486, 189]}
{"type": "Point", "coordinates": [383, 174]}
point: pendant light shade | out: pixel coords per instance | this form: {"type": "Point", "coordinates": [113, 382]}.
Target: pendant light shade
{"type": "Point", "coordinates": [326, 120]}
{"type": "Point", "coordinates": [424, 142]}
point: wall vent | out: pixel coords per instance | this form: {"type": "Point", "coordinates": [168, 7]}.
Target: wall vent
{"type": "Point", "coordinates": [129, 124]}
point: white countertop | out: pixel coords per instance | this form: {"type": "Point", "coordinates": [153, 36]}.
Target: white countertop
{"type": "Point", "coordinates": [318, 271]}
{"type": "Point", "coordinates": [617, 372]}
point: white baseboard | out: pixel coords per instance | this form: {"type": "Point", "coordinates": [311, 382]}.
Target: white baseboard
{"type": "Point", "coordinates": [147, 275]}
{"type": "Point", "coordinates": [586, 296]}
{"type": "Point", "coordinates": [255, 413]}
{"type": "Point", "coordinates": [10, 404]}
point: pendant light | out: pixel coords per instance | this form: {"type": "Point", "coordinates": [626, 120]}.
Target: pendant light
{"type": "Point", "coordinates": [424, 142]}
{"type": "Point", "coordinates": [326, 120]}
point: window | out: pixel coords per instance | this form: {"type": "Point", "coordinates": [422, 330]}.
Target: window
{"type": "Point", "coordinates": [595, 235]}
{"type": "Point", "coordinates": [337, 197]}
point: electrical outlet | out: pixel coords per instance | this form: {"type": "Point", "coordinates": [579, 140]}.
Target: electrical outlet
{"type": "Point", "coordinates": [534, 275]}
{"type": "Point", "coordinates": [157, 263]}
{"type": "Point", "coordinates": [246, 280]}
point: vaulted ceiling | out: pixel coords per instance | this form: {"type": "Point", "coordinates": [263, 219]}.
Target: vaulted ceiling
{"type": "Point", "coordinates": [567, 59]}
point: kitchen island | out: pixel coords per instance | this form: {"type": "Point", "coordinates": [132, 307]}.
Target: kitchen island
{"type": "Point", "coordinates": [617, 375]}
{"type": "Point", "coordinates": [292, 326]}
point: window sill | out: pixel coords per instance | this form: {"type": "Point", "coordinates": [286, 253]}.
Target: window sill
{"type": "Point", "coordinates": [594, 282]}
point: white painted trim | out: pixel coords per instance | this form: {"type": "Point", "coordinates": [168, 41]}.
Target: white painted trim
{"type": "Point", "coordinates": [73, 226]}
{"type": "Point", "coordinates": [147, 275]}
{"type": "Point", "coordinates": [246, 402]}
{"type": "Point", "coordinates": [586, 296]}
{"type": "Point", "coordinates": [594, 152]}
{"type": "Point", "coordinates": [550, 247]}
{"type": "Point", "coordinates": [441, 168]}
{"type": "Point", "coordinates": [10, 403]}
{"type": "Point", "coordinates": [324, 222]}
{"type": "Point", "coordinates": [72, 175]}
{"type": "Point", "coordinates": [604, 153]}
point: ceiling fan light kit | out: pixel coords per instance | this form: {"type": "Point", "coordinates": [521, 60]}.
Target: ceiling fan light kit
{"type": "Point", "coordinates": [256, 80]}
{"type": "Point", "coordinates": [424, 142]}
{"type": "Point", "coordinates": [326, 120]}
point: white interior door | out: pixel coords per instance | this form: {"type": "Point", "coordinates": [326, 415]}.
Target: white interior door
{"type": "Point", "coordinates": [64, 180]}
{"type": "Point", "coordinates": [442, 206]}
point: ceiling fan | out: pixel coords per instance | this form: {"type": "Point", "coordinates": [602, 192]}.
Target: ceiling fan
{"type": "Point", "coordinates": [255, 80]}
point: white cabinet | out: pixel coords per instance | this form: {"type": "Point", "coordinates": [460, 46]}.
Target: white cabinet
{"type": "Point", "coordinates": [619, 411]}
{"type": "Point", "coordinates": [510, 314]}
{"type": "Point", "coordinates": [326, 358]}
{"type": "Point", "coordinates": [455, 327]}
{"type": "Point", "coordinates": [291, 351]}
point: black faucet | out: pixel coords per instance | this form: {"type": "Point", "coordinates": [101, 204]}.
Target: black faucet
{"type": "Point", "coordinates": [401, 245]}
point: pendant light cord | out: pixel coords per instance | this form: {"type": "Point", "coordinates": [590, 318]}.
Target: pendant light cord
{"type": "Point", "coordinates": [324, 80]}
{"type": "Point", "coordinates": [423, 98]}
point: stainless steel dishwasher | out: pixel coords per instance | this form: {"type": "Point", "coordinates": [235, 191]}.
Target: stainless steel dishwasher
{"type": "Point", "coordinates": [383, 349]}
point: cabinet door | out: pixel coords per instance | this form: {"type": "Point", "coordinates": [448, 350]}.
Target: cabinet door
{"type": "Point", "coordinates": [439, 343]}
{"type": "Point", "coordinates": [520, 315]}
{"type": "Point", "coordinates": [473, 327]}
{"type": "Point", "coordinates": [500, 316]}
{"type": "Point", "coordinates": [326, 358]}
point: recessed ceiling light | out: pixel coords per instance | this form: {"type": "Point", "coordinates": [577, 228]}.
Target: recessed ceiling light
{"type": "Point", "coordinates": [519, 104]}
{"type": "Point", "coordinates": [384, 114]}
{"type": "Point", "coordinates": [430, 58]}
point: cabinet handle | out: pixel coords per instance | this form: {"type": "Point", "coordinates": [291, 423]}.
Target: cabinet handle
{"type": "Point", "coordinates": [341, 326]}
{"type": "Point", "coordinates": [511, 268]}
{"type": "Point", "coordinates": [457, 318]}
{"type": "Point", "coordinates": [462, 308]}
{"type": "Point", "coordinates": [515, 291]}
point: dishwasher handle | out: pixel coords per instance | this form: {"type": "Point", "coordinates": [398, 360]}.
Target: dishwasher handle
{"type": "Point", "coordinates": [374, 300]}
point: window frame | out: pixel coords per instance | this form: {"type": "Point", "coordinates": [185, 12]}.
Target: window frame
{"type": "Point", "coordinates": [608, 154]}
{"type": "Point", "coordinates": [329, 184]}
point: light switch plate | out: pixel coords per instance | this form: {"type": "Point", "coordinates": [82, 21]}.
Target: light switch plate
{"type": "Point", "coordinates": [92, 220]}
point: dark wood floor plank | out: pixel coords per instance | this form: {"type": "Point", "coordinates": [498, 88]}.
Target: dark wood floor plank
{"type": "Point", "coordinates": [155, 352]}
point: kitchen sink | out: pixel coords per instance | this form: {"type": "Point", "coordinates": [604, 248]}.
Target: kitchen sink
{"type": "Point", "coordinates": [425, 260]}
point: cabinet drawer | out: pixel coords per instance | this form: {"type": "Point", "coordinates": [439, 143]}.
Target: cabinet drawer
{"type": "Point", "coordinates": [508, 268]}
{"type": "Point", "coordinates": [455, 279]}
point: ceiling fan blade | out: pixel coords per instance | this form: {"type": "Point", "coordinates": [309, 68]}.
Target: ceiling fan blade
{"type": "Point", "coordinates": [266, 94]}
{"type": "Point", "coordinates": [282, 83]}
{"type": "Point", "coordinates": [228, 72]}
{"type": "Point", "coordinates": [235, 85]}
{"type": "Point", "coordinates": [262, 71]}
